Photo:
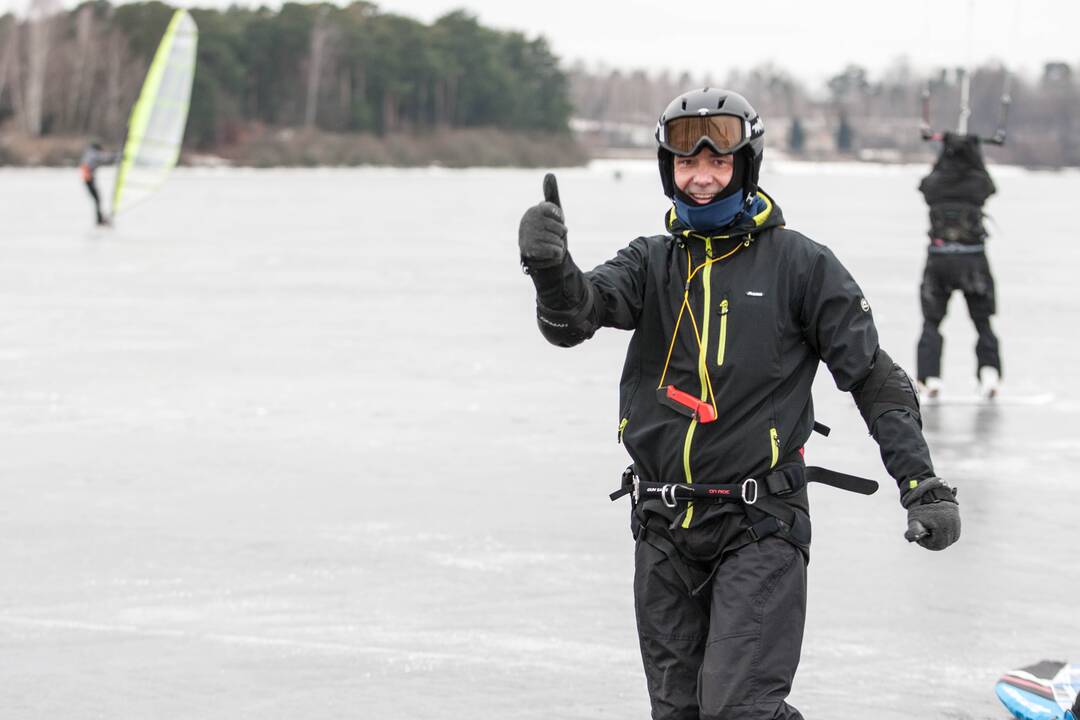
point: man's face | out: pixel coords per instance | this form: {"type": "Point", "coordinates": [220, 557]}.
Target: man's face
{"type": "Point", "coordinates": [701, 177]}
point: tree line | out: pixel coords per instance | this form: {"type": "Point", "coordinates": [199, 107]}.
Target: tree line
{"type": "Point", "coordinates": [854, 113]}
{"type": "Point", "coordinates": [355, 71]}
{"type": "Point", "coordinates": [350, 69]}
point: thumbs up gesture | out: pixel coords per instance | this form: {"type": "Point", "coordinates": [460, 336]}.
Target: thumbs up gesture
{"type": "Point", "coordinates": [542, 234]}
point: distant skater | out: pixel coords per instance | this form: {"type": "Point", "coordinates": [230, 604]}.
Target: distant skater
{"type": "Point", "coordinates": [956, 190]}
{"type": "Point", "coordinates": [93, 158]}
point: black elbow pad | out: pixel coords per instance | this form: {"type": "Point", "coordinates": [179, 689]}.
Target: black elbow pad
{"type": "Point", "coordinates": [567, 328]}
{"type": "Point", "coordinates": [886, 388]}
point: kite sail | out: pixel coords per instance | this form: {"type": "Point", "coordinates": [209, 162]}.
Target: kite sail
{"type": "Point", "coordinates": [156, 126]}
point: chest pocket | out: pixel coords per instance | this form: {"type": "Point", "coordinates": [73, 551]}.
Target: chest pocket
{"type": "Point", "coordinates": [748, 338]}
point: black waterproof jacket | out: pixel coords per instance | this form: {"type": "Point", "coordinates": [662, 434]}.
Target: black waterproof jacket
{"type": "Point", "coordinates": [955, 190]}
{"type": "Point", "coordinates": [766, 316]}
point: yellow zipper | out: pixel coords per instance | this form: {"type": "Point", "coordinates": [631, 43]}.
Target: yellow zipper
{"type": "Point", "coordinates": [703, 376]}
{"type": "Point", "coordinates": [686, 469]}
{"type": "Point", "coordinates": [723, 331]}
{"type": "Point", "coordinates": [774, 442]}
{"type": "Point", "coordinates": [622, 427]}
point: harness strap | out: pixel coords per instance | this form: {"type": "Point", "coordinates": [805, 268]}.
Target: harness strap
{"type": "Point", "coordinates": [941, 247]}
{"type": "Point", "coordinates": [696, 578]}
{"type": "Point", "coordinates": [762, 500]}
{"type": "Point", "coordinates": [626, 486]}
{"type": "Point", "coordinates": [843, 481]}
{"type": "Point", "coordinates": [764, 528]}
{"type": "Point", "coordinates": [783, 480]}
{"type": "Point", "coordinates": [774, 516]}
{"type": "Point", "coordinates": [693, 578]}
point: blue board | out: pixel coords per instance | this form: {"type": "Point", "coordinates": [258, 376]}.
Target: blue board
{"type": "Point", "coordinates": [1043, 691]}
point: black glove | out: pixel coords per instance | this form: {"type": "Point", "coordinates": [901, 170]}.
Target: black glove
{"type": "Point", "coordinates": [933, 514]}
{"type": "Point", "coordinates": [542, 234]}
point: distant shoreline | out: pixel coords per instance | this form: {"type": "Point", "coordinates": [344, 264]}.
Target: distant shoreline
{"type": "Point", "coordinates": [261, 147]}
{"type": "Point", "coordinates": [472, 148]}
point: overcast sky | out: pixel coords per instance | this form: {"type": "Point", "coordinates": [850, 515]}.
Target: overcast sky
{"type": "Point", "coordinates": [811, 38]}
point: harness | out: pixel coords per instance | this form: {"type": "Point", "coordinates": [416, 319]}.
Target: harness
{"type": "Point", "coordinates": [762, 499]}
{"type": "Point", "coordinates": [938, 246]}
{"type": "Point", "coordinates": [957, 222]}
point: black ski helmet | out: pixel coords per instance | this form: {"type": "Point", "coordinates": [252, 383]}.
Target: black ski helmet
{"type": "Point", "coordinates": [709, 102]}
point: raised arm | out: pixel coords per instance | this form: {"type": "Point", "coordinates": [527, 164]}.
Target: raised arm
{"type": "Point", "coordinates": [572, 305]}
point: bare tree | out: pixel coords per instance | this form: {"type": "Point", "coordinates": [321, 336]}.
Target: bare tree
{"type": "Point", "coordinates": [40, 40]}
{"type": "Point", "coordinates": [111, 117]}
{"type": "Point", "coordinates": [9, 42]}
{"type": "Point", "coordinates": [81, 70]}
{"type": "Point", "coordinates": [320, 36]}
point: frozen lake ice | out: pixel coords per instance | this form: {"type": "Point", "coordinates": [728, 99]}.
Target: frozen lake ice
{"type": "Point", "coordinates": [288, 444]}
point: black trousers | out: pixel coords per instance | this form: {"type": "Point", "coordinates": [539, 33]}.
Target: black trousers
{"type": "Point", "coordinates": [91, 186]}
{"type": "Point", "coordinates": [729, 651]}
{"type": "Point", "coordinates": [944, 274]}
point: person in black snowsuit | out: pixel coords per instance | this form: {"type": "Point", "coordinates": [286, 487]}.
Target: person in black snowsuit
{"type": "Point", "coordinates": [955, 191]}
{"type": "Point", "coordinates": [731, 313]}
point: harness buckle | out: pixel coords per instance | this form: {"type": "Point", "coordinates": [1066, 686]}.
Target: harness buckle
{"type": "Point", "coordinates": [636, 492]}
{"type": "Point", "coordinates": [667, 494]}
{"type": "Point", "coordinates": [749, 491]}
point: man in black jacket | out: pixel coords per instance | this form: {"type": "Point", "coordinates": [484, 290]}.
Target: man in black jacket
{"type": "Point", "coordinates": [955, 191]}
{"type": "Point", "coordinates": [731, 314]}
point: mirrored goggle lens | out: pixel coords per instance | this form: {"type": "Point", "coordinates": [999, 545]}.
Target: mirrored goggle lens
{"type": "Point", "coordinates": [724, 132]}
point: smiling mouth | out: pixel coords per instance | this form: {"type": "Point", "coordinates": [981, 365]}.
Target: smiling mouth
{"type": "Point", "coordinates": [701, 199]}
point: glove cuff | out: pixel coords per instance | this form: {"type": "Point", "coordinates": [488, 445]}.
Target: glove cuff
{"type": "Point", "coordinates": [560, 286]}
{"type": "Point", "coordinates": [926, 491]}
{"type": "Point", "coordinates": [568, 327]}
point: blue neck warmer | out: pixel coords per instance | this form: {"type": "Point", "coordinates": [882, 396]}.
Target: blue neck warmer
{"type": "Point", "coordinates": [713, 216]}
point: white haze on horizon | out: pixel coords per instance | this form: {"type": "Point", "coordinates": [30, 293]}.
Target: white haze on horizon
{"type": "Point", "coordinates": [812, 41]}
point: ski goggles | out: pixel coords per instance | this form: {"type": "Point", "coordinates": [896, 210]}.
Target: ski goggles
{"type": "Point", "coordinates": [686, 135]}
